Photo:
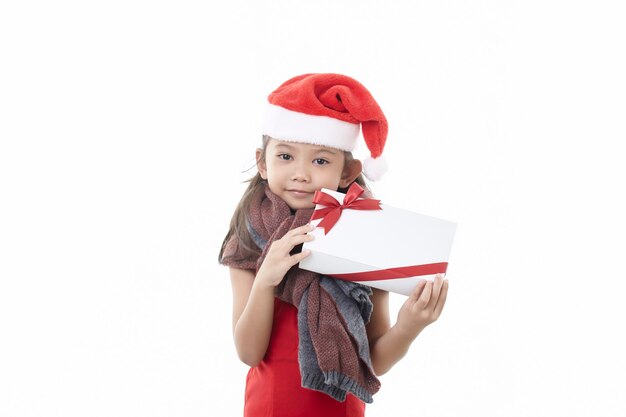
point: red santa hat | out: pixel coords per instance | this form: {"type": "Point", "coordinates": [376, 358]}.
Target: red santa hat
{"type": "Point", "coordinates": [328, 110]}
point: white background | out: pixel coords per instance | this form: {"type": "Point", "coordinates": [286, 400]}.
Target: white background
{"type": "Point", "coordinates": [125, 127]}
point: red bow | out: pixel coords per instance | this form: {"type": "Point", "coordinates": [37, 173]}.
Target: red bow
{"type": "Point", "coordinates": [333, 209]}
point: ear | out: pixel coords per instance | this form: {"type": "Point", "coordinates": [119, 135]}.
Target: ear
{"type": "Point", "coordinates": [351, 171]}
{"type": "Point", "coordinates": [260, 163]}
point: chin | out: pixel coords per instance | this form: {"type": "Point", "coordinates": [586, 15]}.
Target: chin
{"type": "Point", "coordinates": [297, 205]}
{"type": "Point", "coordinates": [301, 206]}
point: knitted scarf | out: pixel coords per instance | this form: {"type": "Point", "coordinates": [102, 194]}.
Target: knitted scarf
{"type": "Point", "coordinates": [333, 349]}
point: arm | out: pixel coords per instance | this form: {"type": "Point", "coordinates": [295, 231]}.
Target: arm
{"type": "Point", "coordinates": [253, 297]}
{"type": "Point", "coordinates": [253, 312]}
{"type": "Point", "coordinates": [390, 344]}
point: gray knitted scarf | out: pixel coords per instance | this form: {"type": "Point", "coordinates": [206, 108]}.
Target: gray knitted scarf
{"type": "Point", "coordinates": [333, 349]}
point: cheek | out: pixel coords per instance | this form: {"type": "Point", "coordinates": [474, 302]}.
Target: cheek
{"type": "Point", "coordinates": [332, 179]}
{"type": "Point", "coordinates": [273, 171]}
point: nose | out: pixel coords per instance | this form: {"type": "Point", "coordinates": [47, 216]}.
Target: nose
{"type": "Point", "coordinates": [300, 172]}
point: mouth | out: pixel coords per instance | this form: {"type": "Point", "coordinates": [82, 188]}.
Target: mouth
{"type": "Point", "coordinates": [299, 193]}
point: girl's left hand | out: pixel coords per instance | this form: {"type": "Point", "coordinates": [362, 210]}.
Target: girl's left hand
{"type": "Point", "coordinates": [423, 306]}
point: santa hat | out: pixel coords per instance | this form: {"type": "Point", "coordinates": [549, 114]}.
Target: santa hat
{"type": "Point", "coordinates": [328, 110]}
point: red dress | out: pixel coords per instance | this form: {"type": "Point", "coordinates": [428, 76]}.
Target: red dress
{"type": "Point", "coordinates": [274, 389]}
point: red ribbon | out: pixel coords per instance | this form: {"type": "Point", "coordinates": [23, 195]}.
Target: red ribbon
{"type": "Point", "coordinates": [332, 211]}
{"type": "Point", "coordinates": [393, 273]}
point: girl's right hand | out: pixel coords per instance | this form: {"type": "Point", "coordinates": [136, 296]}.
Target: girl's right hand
{"type": "Point", "coordinates": [278, 259]}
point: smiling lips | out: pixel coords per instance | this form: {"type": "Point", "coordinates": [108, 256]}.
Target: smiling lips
{"type": "Point", "coordinates": [299, 193]}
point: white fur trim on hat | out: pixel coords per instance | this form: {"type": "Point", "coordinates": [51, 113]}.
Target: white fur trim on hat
{"type": "Point", "coordinates": [291, 126]}
{"type": "Point", "coordinates": [374, 168]}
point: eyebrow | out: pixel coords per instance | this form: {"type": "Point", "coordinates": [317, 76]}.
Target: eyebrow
{"type": "Point", "coordinates": [326, 150]}
{"type": "Point", "coordinates": [284, 145]}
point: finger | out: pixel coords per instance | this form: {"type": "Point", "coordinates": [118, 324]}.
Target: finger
{"type": "Point", "coordinates": [442, 298]}
{"type": "Point", "coordinates": [437, 284]}
{"type": "Point", "coordinates": [299, 256]}
{"type": "Point", "coordinates": [425, 296]}
{"type": "Point", "coordinates": [297, 240]}
{"type": "Point", "coordinates": [415, 294]}
{"type": "Point", "coordinates": [300, 230]}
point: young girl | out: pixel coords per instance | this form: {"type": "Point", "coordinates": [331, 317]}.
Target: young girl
{"type": "Point", "coordinates": [291, 326]}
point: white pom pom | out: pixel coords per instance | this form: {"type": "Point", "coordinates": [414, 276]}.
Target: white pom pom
{"type": "Point", "coordinates": [374, 168]}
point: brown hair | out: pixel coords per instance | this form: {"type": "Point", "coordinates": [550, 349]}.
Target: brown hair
{"type": "Point", "coordinates": [238, 227]}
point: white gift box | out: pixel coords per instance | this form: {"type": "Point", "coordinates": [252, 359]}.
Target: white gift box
{"type": "Point", "coordinates": [390, 249]}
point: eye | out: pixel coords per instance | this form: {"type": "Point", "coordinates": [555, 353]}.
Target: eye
{"type": "Point", "coordinates": [320, 161]}
{"type": "Point", "coordinates": [284, 156]}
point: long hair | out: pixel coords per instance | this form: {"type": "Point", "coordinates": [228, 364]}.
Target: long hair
{"type": "Point", "coordinates": [238, 226]}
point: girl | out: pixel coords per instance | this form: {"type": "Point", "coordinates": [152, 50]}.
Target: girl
{"type": "Point", "coordinates": [288, 322]}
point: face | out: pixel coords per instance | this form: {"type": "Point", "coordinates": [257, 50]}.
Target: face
{"type": "Point", "coordinates": [294, 171]}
